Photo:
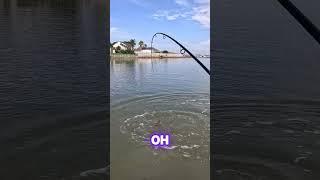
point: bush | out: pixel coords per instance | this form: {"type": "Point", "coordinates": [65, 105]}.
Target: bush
{"type": "Point", "coordinates": [128, 51]}
{"type": "Point", "coordinates": [165, 51]}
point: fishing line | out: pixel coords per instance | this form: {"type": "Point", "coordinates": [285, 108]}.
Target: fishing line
{"type": "Point", "coordinates": [183, 50]}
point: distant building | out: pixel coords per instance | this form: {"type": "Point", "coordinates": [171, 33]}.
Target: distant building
{"type": "Point", "coordinates": [146, 50]}
{"type": "Point", "coordinates": [112, 50]}
{"type": "Point", "coordinates": [119, 45]}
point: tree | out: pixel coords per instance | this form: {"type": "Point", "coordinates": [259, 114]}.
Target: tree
{"type": "Point", "coordinates": [165, 51]}
{"type": "Point", "coordinates": [127, 51]}
{"type": "Point", "coordinates": [118, 49]}
{"type": "Point", "coordinates": [132, 43]}
{"type": "Point", "coordinates": [141, 43]}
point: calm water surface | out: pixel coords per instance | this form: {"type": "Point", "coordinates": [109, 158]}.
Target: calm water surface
{"type": "Point", "coordinates": [266, 92]}
{"type": "Point", "coordinates": [53, 90]}
{"type": "Point", "coordinates": [174, 92]}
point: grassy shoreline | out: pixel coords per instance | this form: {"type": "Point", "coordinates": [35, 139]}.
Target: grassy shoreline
{"type": "Point", "coordinates": [147, 56]}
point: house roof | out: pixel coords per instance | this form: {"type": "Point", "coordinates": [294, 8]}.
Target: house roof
{"type": "Point", "coordinates": [121, 43]}
{"type": "Point", "coordinates": [147, 48]}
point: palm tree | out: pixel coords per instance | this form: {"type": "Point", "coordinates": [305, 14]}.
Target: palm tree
{"type": "Point", "coordinates": [132, 43]}
{"type": "Point", "coordinates": [118, 49]}
{"type": "Point", "coordinates": [141, 43]}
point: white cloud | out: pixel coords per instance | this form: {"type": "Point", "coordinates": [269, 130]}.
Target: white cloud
{"type": "Point", "coordinates": [202, 15]}
{"type": "Point", "coordinates": [170, 15]}
{"type": "Point", "coordinates": [113, 30]}
{"type": "Point", "coordinates": [201, 47]}
{"type": "Point", "coordinates": [205, 43]}
{"type": "Point", "coordinates": [200, 12]}
{"type": "Point", "coordinates": [182, 2]}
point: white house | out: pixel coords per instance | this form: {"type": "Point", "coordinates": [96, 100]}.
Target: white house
{"type": "Point", "coordinates": [112, 50]}
{"type": "Point", "coordinates": [146, 50]}
{"type": "Point", "coordinates": [121, 45]}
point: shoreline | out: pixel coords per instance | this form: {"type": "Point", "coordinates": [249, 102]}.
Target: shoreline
{"type": "Point", "coordinates": [156, 56]}
{"type": "Point", "coordinates": [145, 58]}
{"type": "Point", "coordinates": [147, 55]}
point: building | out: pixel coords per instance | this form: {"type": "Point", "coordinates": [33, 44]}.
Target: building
{"type": "Point", "coordinates": [146, 50]}
{"type": "Point", "coordinates": [112, 50]}
{"type": "Point", "coordinates": [119, 45]}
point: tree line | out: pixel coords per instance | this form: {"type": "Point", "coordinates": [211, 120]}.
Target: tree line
{"type": "Point", "coordinates": [130, 46]}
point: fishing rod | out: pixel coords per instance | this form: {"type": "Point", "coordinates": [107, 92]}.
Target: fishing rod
{"type": "Point", "coordinates": [182, 51]}
{"type": "Point", "coordinates": [301, 18]}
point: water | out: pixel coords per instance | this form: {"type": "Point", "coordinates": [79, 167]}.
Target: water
{"type": "Point", "coordinates": [266, 100]}
{"type": "Point", "coordinates": [53, 90]}
{"type": "Point", "coordinates": [174, 92]}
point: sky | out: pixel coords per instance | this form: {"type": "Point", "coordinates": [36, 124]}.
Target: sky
{"type": "Point", "coordinates": [188, 21]}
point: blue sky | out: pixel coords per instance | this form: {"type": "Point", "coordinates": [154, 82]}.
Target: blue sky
{"type": "Point", "coordinates": [188, 21]}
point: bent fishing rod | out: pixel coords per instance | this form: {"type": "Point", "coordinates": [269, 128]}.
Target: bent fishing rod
{"type": "Point", "coordinates": [182, 51]}
{"type": "Point", "coordinates": [301, 18]}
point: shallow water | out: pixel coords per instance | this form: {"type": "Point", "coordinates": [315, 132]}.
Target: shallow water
{"type": "Point", "coordinates": [173, 93]}
{"type": "Point", "coordinates": [266, 92]}
{"type": "Point", "coordinates": [53, 95]}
